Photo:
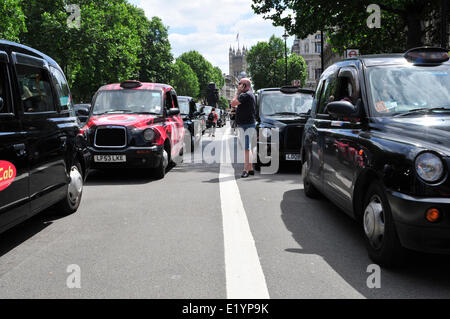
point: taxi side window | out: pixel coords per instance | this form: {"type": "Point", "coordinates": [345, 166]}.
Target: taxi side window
{"type": "Point", "coordinates": [169, 103]}
{"type": "Point", "coordinates": [62, 89]}
{"type": "Point", "coordinates": [5, 103]}
{"type": "Point", "coordinates": [316, 98]}
{"type": "Point", "coordinates": [174, 100]}
{"type": "Point", "coordinates": [35, 89]}
{"type": "Point", "coordinates": [327, 94]}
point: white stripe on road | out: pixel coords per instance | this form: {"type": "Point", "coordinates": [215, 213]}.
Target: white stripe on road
{"type": "Point", "coordinates": [244, 275]}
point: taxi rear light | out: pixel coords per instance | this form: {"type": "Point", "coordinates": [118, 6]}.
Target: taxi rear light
{"type": "Point", "coordinates": [130, 84]}
{"type": "Point", "coordinates": [427, 55]}
{"type": "Point", "coordinates": [433, 215]}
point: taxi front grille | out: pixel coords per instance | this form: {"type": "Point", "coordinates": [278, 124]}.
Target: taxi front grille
{"type": "Point", "coordinates": [293, 137]}
{"type": "Point", "coordinates": [112, 137]}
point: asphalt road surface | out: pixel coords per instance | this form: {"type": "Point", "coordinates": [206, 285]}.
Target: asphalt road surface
{"type": "Point", "coordinates": [203, 232]}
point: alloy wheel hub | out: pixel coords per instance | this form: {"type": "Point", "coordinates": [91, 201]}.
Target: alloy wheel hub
{"type": "Point", "coordinates": [76, 185]}
{"type": "Point", "coordinates": [374, 222]}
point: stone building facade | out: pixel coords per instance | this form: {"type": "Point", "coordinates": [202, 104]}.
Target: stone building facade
{"type": "Point", "coordinates": [310, 49]}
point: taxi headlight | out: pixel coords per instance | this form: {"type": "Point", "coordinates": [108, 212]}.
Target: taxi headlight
{"type": "Point", "coordinates": [266, 132]}
{"type": "Point", "coordinates": [429, 167]}
{"type": "Point", "coordinates": [149, 135]}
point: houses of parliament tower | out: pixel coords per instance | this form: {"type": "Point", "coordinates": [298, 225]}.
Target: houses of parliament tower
{"type": "Point", "coordinates": [238, 61]}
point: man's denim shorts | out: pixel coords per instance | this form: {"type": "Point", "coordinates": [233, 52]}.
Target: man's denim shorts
{"type": "Point", "coordinates": [249, 130]}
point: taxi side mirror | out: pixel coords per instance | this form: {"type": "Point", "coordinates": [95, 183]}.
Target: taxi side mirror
{"type": "Point", "coordinates": [341, 109]}
{"type": "Point", "coordinates": [82, 111]}
{"type": "Point", "coordinates": [173, 112]}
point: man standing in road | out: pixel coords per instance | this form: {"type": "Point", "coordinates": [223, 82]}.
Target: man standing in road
{"type": "Point", "coordinates": [245, 102]}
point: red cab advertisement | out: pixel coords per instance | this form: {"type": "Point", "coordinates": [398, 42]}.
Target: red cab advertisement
{"type": "Point", "coordinates": [7, 174]}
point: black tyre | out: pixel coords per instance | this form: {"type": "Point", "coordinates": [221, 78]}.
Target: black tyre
{"type": "Point", "coordinates": [160, 171]}
{"type": "Point", "coordinates": [74, 191]}
{"type": "Point", "coordinates": [381, 236]}
{"type": "Point", "coordinates": [309, 189]}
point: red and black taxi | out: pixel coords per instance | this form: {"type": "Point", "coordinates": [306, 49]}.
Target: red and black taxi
{"type": "Point", "coordinates": [134, 125]}
{"type": "Point", "coordinates": [378, 145]}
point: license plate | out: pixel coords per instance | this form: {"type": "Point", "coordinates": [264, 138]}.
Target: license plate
{"type": "Point", "coordinates": [110, 158]}
{"type": "Point", "coordinates": [292, 157]}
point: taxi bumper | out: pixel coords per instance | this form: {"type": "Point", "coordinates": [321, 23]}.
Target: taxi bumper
{"type": "Point", "coordinates": [136, 157]}
{"type": "Point", "coordinates": [414, 230]}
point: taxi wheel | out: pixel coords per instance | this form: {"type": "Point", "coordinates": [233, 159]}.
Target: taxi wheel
{"type": "Point", "coordinates": [381, 236]}
{"type": "Point", "coordinates": [309, 189]}
{"type": "Point", "coordinates": [160, 171]}
{"type": "Point", "coordinates": [74, 191]}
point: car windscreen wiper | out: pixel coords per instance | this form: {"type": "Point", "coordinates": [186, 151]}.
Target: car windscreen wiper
{"type": "Point", "coordinates": [113, 111]}
{"type": "Point", "coordinates": [156, 113]}
{"type": "Point", "coordinates": [284, 113]}
{"type": "Point", "coordinates": [425, 110]}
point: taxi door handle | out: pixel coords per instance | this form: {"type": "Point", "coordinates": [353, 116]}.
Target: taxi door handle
{"type": "Point", "coordinates": [63, 140]}
{"type": "Point", "coordinates": [20, 149]}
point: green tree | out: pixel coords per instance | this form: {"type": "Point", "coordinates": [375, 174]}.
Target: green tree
{"type": "Point", "coordinates": [266, 65]}
{"type": "Point", "coordinates": [156, 57]}
{"type": "Point", "coordinates": [217, 77]}
{"type": "Point", "coordinates": [202, 68]}
{"type": "Point", "coordinates": [184, 80]}
{"type": "Point", "coordinates": [12, 20]}
{"type": "Point", "coordinates": [115, 42]}
{"type": "Point", "coordinates": [297, 69]}
{"type": "Point", "coordinates": [345, 22]}
{"type": "Point", "coordinates": [223, 103]}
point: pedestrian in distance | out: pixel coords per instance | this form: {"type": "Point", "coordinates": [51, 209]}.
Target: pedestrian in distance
{"type": "Point", "coordinates": [245, 118]}
{"type": "Point", "coordinates": [212, 119]}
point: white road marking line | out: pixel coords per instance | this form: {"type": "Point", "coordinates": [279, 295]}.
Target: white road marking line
{"type": "Point", "coordinates": [244, 275]}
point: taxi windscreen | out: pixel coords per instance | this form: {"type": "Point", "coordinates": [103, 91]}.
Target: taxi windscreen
{"type": "Point", "coordinates": [396, 90]}
{"type": "Point", "coordinates": [128, 101]}
{"type": "Point", "coordinates": [278, 103]}
{"type": "Point", "coordinates": [184, 106]}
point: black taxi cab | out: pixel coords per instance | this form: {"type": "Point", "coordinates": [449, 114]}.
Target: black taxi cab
{"type": "Point", "coordinates": [135, 125]}
{"type": "Point", "coordinates": [285, 111]}
{"type": "Point", "coordinates": [43, 156]}
{"type": "Point", "coordinates": [378, 145]}
{"type": "Point", "coordinates": [192, 121]}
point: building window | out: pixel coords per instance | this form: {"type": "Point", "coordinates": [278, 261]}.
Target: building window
{"type": "Point", "coordinates": [306, 48]}
{"type": "Point", "coordinates": [317, 36]}
{"type": "Point", "coordinates": [318, 47]}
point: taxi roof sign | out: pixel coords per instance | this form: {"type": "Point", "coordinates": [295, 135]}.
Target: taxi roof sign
{"type": "Point", "coordinates": [427, 55]}
{"type": "Point", "coordinates": [130, 84]}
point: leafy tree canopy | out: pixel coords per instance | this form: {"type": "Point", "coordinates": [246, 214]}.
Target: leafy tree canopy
{"type": "Point", "coordinates": [204, 70]}
{"type": "Point", "coordinates": [266, 65]}
{"type": "Point", "coordinates": [115, 42]}
{"type": "Point", "coordinates": [223, 103]}
{"type": "Point", "coordinates": [184, 80]}
{"type": "Point", "coordinates": [345, 22]}
{"type": "Point", "coordinates": [12, 20]}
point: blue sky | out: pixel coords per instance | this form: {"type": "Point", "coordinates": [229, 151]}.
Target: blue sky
{"type": "Point", "coordinates": [210, 26]}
